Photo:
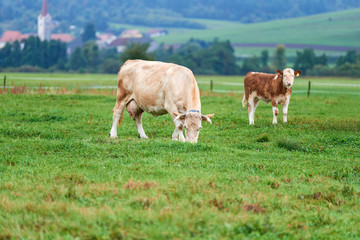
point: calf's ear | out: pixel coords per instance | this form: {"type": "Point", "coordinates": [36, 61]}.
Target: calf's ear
{"type": "Point", "coordinates": [179, 116]}
{"type": "Point", "coordinates": [297, 73]}
{"type": "Point", "coordinates": [279, 72]}
{"type": "Point", "coordinates": [207, 117]}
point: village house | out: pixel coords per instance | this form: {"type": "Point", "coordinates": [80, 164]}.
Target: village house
{"type": "Point", "coordinates": [156, 32]}
{"type": "Point", "coordinates": [44, 30]}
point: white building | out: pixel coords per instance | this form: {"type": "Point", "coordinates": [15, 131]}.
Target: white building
{"type": "Point", "coordinates": [44, 23]}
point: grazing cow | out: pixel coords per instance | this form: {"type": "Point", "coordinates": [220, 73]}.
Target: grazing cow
{"type": "Point", "coordinates": [274, 88]}
{"type": "Point", "coordinates": [159, 88]}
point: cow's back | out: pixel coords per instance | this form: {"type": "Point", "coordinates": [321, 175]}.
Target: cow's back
{"type": "Point", "coordinates": [266, 85]}
{"type": "Point", "coordinates": [152, 83]}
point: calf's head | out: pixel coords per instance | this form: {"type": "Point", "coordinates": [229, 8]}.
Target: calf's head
{"type": "Point", "coordinates": [288, 76]}
{"type": "Point", "coordinates": [191, 121]}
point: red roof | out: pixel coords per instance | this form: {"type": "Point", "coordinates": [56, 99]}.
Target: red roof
{"type": "Point", "coordinates": [64, 37]}
{"type": "Point", "coordinates": [44, 10]}
{"type": "Point", "coordinates": [155, 30]}
{"type": "Point", "coordinates": [12, 36]}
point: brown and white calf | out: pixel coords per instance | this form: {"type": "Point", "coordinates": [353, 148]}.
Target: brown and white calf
{"type": "Point", "coordinates": [274, 88]}
{"type": "Point", "coordinates": [159, 88]}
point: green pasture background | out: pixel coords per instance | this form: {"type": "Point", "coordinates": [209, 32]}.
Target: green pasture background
{"type": "Point", "coordinates": [61, 177]}
{"type": "Point", "coordinates": [328, 29]}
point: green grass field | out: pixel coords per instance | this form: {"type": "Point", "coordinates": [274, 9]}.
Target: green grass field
{"type": "Point", "coordinates": [63, 178]}
{"type": "Point", "coordinates": [333, 29]}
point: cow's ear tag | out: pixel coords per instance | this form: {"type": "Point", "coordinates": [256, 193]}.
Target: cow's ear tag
{"type": "Point", "coordinates": [297, 74]}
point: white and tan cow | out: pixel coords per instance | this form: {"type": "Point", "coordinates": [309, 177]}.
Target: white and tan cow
{"type": "Point", "coordinates": [159, 88]}
{"type": "Point", "coordinates": [274, 88]}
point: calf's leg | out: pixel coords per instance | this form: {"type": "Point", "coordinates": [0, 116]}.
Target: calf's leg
{"type": "Point", "coordinates": [285, 109]}
{"type": "Point", "coordinates": [251, 106]}
{"type": "Point", "coordinates": [275, 111]}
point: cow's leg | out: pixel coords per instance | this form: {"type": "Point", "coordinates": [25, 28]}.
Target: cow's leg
{"type": "Point", "coordinates": [251, 106]}
{"type": "Point", "coordinates": [285, 109]}
{"type": "Point", "coordinates": [117, 118]}
{"type": "Point", "coordinates": [136, 112]}
{"type": "Point", "coordinates": [275, 111]}
{"type": "Point", "coordinates": [118, 110]}
{"type": "Point", "coordinates": [178, 132]}
{"type": "Point", "coordinates": [138, 123]}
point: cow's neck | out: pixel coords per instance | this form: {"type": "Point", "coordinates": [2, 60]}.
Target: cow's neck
{"type": "Point", "coordinates": [193, 99]}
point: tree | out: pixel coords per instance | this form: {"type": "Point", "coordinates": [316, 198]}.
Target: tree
{"type": "Point", "coordinates": [57, 53]}
{"type": "Point", "coordinates": [251, 64]}
{"type": "Point", "coordinates": [223, 54]}
{"type": "Point", "coordinates": [16, 54]}
{"type": "Point", "coordinates": [5, 55]}
{"type": "Point", "coordinates": [110, 66]}
{"type": "Point", "coordinates": [306, 60]}
{"type": "Point", "coordinates": [279, 57]}
{"type": "Point", "coordinates": [136, 51]}
{"type": "Point", "coordinates": [89, 33]}
{"type": "Point", "coordinates": [90, 51]}
{"type": "Point", "coordinates": [77, 60]}
{"type": "Point", "coordinates": [264, 58]}
{"type": "Point", "coordinates": [350, 57]}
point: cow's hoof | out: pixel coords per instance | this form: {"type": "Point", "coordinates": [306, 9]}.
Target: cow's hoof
{"type": "Point", "coordinates": [113, 137]}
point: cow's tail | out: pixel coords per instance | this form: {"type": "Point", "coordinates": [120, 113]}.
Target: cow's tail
{"type": "Point", "coordinates": [244, 100]}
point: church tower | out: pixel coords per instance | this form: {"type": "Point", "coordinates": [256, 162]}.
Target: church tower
{"type": "Point", "coordinates": [44, 23]}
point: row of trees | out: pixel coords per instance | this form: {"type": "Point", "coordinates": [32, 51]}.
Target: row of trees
{"type": "Point", "coordinates": [212, 58]}
{"type": "Point", "coordinates": [306, 61]}
{"type": "Point", "coordinates": [34, 52]}
{"type": "Point", "coordinates": [202, 57]}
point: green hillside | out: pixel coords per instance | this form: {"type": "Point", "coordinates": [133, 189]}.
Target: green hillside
{"type": "Point", "coordinates": [338, 29]}
{"type": "Point", "coordinates": [331, 29]}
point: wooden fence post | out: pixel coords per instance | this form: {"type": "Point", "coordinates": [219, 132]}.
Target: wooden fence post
{"type": "Point", "coordinates": [309, 89]}
{"type": "Point", "coordinates": [211, 85]}
{"type": "Point", "coordinates": [5, 83]}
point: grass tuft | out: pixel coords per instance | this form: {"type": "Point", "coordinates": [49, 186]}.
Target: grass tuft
{"type": "Point", "coordinates": [289, 144]}
{"type": "Point", "coordinates": [263, 138]}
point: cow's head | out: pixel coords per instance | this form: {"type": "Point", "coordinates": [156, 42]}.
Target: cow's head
{"type": "Point", "coordinates": [191, 121]}
{"type": "Point", "coordinates": [288, 76]}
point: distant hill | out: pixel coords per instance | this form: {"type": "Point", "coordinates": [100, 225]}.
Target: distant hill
{"type": "Point", "coordinates": [336, 28]}
{"type": "Point", "coordinates": [329, 32]}
{"type": "Point", "coordinates": [21, 14]}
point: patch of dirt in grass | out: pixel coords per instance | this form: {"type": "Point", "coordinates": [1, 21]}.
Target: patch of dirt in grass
{"type": "Point", "coordinates": [143, 203]}
{"type": "Point", "coordinates": [328, 197]}
{"type": "Point", "coordinates": [130, 184]}
{"type": "Point", "coordinates": [74, 178]}
{"type": "Point", "coordinates": [253, 208]}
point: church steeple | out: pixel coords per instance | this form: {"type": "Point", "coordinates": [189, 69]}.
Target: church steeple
{"type": "Point", "coordinates": [44, 23]}
{"type": "Point", "coordinates": [44, 9]}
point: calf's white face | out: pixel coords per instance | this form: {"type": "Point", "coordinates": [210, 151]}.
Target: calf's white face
{"type": "Point", "coordinates": [191, 121]}
{"type": "Point", "coordinates": [288, 76]}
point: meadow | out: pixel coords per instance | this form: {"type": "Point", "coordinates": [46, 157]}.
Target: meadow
{"type": "Point", "coordinates": [328, 29]}
{"type": "Point", "coordinates": [63, 178]}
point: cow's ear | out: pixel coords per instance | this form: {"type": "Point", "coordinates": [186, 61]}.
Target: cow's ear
{"type": "Point", "coordinates": [179, 116]}
{"type": "Point", "coordinates": [297, 73]}
{"type": "Point", "coordinates": [207, 117]}
{"type": "Point", "coordinates": [279, 72]}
